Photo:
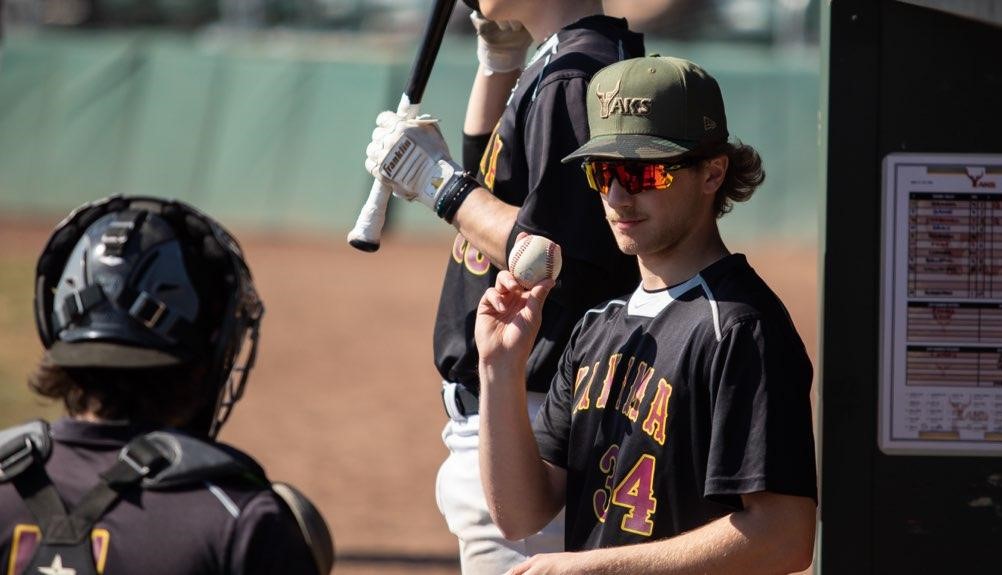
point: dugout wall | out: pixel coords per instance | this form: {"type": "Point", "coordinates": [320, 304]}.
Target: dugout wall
{"type": "Point", "coordinates": [903, 78]}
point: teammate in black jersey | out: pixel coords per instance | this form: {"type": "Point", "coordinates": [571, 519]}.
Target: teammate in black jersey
{"type": "Point", "coordinates": [678, 427]}
{"type": "Point", "coordinates": [519, 126]}
{"type": "Point", "coordinates": [149, 319]}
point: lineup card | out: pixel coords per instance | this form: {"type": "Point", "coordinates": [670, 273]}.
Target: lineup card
{"type": "Point", "coordinates": [941, 316]}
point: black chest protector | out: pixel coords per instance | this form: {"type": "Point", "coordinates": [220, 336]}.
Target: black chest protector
{"type": "Point", "coordinates": [154, 461]}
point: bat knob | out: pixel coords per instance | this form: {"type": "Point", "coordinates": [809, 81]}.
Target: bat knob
{"type": "Point", "coordinates": [365, 246]}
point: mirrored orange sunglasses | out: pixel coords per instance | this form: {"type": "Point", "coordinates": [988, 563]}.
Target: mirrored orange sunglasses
{"type": "Point", "coordinates": [634, 176]}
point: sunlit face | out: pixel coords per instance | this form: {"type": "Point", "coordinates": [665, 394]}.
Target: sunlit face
{"type": "Point", "coordinates": [659, 221]}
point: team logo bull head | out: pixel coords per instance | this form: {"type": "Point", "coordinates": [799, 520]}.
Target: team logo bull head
{"type": "Point", "coordinates": [613, 103]}
{"type": "Point", "coordinates": [975, 174]}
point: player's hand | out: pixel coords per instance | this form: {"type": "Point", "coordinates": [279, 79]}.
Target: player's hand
{"type": "Point", "coordinates": [508, 320]}
{"type": "Point", "coordinates": [501, 46]}
{"type": "Point", "coordinates": [554, 564]}
{"type": "Point", "coordinates": [411, 156]}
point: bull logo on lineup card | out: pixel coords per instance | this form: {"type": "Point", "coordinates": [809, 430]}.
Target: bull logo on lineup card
{"type": "Point", "coordinates": [975, 174]}
{"type": "Point", "coordinates": [613, 103]}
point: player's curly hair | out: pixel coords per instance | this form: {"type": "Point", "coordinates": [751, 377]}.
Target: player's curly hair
{"type": "Point", "coordinates": [744, 174]}
{"type": "Point", "coordinates": [153, 396]}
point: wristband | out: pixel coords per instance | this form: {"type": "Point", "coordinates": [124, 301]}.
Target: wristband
{"type": "Point", "coordinates": [453, 195]}
{"type": "Point", "coordinates": [473, 150]}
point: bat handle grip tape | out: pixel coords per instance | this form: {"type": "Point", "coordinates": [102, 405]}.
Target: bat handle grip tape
{"type": "Point", "coordinates": [369, 224]}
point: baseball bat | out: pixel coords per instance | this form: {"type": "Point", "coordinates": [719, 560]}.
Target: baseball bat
{"type": "Point", "coordinates": [369, 225]}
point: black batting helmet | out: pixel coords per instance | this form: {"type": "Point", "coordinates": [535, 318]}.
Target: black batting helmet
{"type": "Point", "coordinates": [143, 282]}
{"type": "Point", "coordinates": [473, 4]}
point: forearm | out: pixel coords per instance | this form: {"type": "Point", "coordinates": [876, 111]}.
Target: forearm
{"type": "Point", "coordinates": [520, 493]}
{"type": "Point", "coordinates": [488, 98]}
{"type": "Point", "coordinates": [748, 542]}
{"type": "Point", "coordinates": [486, 222]}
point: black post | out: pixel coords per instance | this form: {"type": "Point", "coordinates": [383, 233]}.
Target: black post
{"type": "Point", "coordinates": [902, 79]}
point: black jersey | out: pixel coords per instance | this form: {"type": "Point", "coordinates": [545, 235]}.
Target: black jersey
{"type": "Point", "coordinates": [545, 120]}
{"type": "Point", "coordinates": [205, 529]}
{"type": "Point", "coordinates": [671, 404]}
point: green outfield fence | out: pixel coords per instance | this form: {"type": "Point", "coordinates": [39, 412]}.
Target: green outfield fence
{"type": "Point", "coordinates": [268, 129]}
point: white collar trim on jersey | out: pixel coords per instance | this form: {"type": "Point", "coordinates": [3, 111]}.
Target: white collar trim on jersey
{"type": "Point", "coordinates": [549, 47]}
{"type": "Point", "coordinates": [650, 304]}
{"type": "Point", "coordinates": [608, 304]}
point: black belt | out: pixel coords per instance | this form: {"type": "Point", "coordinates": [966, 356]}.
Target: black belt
{"type": "Point", "coordinates": [467, 400]}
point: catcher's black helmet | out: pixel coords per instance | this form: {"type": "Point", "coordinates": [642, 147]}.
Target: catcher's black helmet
{"type": "Point", "coordinates": [143, 282]}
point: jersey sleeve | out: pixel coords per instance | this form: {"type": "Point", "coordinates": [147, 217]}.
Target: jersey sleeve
{"type": "Point", "coordinates": [761, 431]}
{"type": "Point", "coordinates": [553, 422]}
{"type": "Point", "coordinates": [267, 540]}
{"type": "Point", "coordinates": [473, 149]}
{"type": "Point", "coordinates": [560, 205]}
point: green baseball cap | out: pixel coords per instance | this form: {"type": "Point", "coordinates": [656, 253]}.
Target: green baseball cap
{"type": "Point", "coordinates": [652, 108]}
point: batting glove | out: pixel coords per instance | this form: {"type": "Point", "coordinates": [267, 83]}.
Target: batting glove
{"type": "Point", "coordinates": [411, 156]}
{"type": "Point", "coordinates": [501, 46]}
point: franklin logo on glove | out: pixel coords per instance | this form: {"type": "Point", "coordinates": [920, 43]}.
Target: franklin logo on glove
{"type": "Point", "coordinates": [390, 168]}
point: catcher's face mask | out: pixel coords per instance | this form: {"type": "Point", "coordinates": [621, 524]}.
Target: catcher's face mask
{"type": "Point", "coordinates": [139, 282]}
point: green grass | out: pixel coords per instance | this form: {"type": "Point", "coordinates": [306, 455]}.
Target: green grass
{"type": "Point", "coordinates": [19, 345]}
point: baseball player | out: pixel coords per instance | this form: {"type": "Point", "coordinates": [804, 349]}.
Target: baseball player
{"type": "Point", "coordinates": [144, 307]}
{"type": "Point", "coordinates": [678, 427]}
{"type": "Point", "coordinates": [519, 125]}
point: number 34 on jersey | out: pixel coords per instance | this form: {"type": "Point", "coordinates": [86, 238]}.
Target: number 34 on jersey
{"type": "Point", "coordinates": [634, 493]}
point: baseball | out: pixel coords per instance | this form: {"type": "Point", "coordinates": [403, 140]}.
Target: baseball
{"type": "Point", "coordinates": [533, 259]}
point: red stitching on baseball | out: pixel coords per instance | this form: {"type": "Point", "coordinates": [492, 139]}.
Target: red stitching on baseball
{"type": "Point", "coordinates": [518, 253]}
{"type": "Point", "coordinates": [550, 251]}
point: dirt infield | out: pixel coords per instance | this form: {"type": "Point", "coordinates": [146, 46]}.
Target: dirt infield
{"type": "Point", "coordinates": [344, 401]}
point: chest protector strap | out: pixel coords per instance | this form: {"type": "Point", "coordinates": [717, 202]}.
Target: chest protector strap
{"type": "Point", "coordinates": [159, 460]}
{"type": "Point", "coordinates": [66, 539]}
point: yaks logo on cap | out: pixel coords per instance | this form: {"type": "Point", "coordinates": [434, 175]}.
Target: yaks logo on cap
{"type": "Point", "coordinates": [652, 108]}
{"type": "Point", "coordinates": [613, 103]}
